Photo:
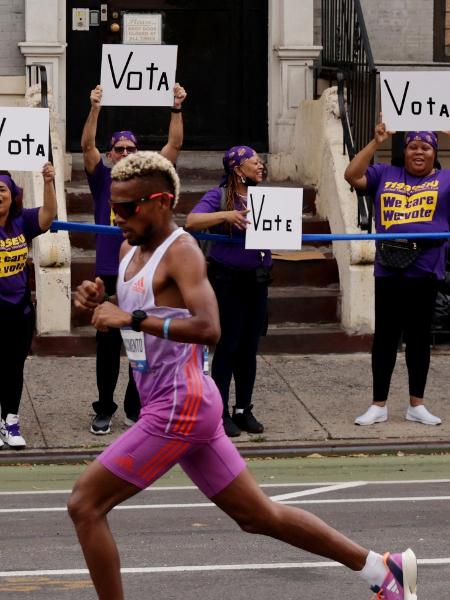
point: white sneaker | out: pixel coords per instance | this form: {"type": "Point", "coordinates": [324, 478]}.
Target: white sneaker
{"type": "Point", "coordinates": [374, 414]}
{"type": "Point", "coordinates": [1, 443]}
{"type": "Point", "coordinates": [10, 432]}
{"type": "Point", "coordinates": [420, 414]}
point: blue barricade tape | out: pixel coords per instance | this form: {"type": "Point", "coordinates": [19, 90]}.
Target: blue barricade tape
{"type": "Point", "coordinates": [306, 237]}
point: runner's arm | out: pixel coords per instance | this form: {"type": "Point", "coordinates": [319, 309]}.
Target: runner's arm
{"type": "Point", "coordinates": [187, 267]}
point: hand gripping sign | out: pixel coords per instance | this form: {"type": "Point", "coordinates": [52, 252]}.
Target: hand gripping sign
{"type": "Point", "coordinates": [275, 215]}
{"type": "Point", "coordinates": [415, 100]}
{"type": "Point", "coordinates": [23, 138]}
{"type": "Point", "coordinates": [138, 74]}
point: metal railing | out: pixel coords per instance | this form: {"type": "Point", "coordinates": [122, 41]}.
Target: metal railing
{"type": "Point", "coordinates": [347, 54]}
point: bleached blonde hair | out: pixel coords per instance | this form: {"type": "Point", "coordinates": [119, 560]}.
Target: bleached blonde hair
{"type": "Point", "coordinates": [145, 163]}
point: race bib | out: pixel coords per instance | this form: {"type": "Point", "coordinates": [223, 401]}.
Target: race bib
{"type": "Point", "coordinates": [135, 349]}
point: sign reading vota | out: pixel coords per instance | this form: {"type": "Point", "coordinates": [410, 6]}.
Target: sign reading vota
{"type": "Point", "coordinates": [415, 100]}
{"type": "Point", "coordinates": [138, 74]}
{"type": "Point", "coordinates": [275, 215]}
{"type": "Point", "coordinates": [24, 136]}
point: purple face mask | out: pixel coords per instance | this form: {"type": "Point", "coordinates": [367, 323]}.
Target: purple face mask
{"type": "Point", "coordinates": [429, 137]}
{"type": "Point", "coordinates": [122, 135]}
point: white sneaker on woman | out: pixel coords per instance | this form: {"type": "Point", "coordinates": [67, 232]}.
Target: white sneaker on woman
{"type": "Point", "coordinates": [420, 414]}
{"type": "Point", "coordinates": [10, 432]}
{"type": "Point", "coordinates": [374, 414]}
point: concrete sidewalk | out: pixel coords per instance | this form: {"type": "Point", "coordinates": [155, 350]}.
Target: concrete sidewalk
{"type": "Point", "coordinates": [307, 404]}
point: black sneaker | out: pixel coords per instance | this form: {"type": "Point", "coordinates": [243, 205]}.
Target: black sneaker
{"type": "Point", "coordinates": [231, 429]}
{"type": "Point", "coordinates": [246, 421]}
{"type": "Point", "coordinates": [101, 424]}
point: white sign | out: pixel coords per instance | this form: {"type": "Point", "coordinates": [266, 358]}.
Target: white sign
{"type": "Point", "coordinates": [138, 75]}
{"type": "Point", "coordinates": [23, 138]}
{"type": "Point", "coordinates": [415, 100]}
{"type": "Point", "coordinates": [142, 28]}
{"type": "Point", "coordinates": [275, 218]}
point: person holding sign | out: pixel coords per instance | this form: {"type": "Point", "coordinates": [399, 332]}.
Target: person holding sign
{"type": "Point", "coordinates": [109, 343]}
{"type": "Point", "coordinates": [413, 198]}
{"type": "Point", "coordinates": [181, 416]}
{"type": "Point", "coordinates": [18, 226]}
{"type": "Point", "coordinates": [239, 278]}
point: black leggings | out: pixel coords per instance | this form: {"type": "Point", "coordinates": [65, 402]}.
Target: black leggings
{"type": "Point", "coordinates": [243, 316]}
{"type": "Point", "coordinates": [403, 306]}
{"type": "Point", "coordinates": [109, 346]}
{"type": "Point", "coordinates": [17, 333]}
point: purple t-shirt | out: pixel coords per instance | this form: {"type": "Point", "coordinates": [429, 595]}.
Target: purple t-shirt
{"type": "Point", "coordinates": [231, 255]}
{"type": "Point", "coordinates": [107, 246]}
{"type": "Point", "coordinates": [405, 203]}
{"type": "Point", "coordinates": [14, 242]}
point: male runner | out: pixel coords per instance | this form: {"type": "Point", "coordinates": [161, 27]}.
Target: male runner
{"type": "Point", "coordinates": [109, 344]}
{"type": "Point", "coordinates": [167, 312]}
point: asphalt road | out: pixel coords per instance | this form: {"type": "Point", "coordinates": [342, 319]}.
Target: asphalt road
{"type": "Point", "coordinates": [175, 544]}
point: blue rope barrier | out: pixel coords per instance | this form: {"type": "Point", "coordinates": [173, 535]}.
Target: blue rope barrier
{"type": "Point", "coordinates": [306, 237]}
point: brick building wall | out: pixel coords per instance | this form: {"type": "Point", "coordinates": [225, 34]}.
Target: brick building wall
{"type": "Point", "coordinates": [399, 30]}
{"type": "Point", "coordinates": [12, 31]}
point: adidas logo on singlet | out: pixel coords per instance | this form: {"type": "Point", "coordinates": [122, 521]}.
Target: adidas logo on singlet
{"type": "Point", "coordinates": [393, 587]}
{"type": "Point", "coordinates": [139, 286]}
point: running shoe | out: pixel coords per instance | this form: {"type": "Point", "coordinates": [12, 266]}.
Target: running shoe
{"type": "Point", "coordinates": [401, 581]}
{"type": "Point", "coordinates": [10, 432]}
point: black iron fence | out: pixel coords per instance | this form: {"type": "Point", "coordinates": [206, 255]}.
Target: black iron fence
{"type": "Point", "coordinates": [347, 58]}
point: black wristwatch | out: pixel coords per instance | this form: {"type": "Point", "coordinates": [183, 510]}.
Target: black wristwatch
{"type": "Point", "coordinates": [137, 316]}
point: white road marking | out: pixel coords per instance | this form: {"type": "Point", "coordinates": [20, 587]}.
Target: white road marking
{"type": "Point", "coordinates": [175, 488]}
{"type": "Point", "coordinates": [192, 568]}
{"type": "Point", "coordinates": [211, 504]}
{"type": "Point", "coordinates": [318, 490]}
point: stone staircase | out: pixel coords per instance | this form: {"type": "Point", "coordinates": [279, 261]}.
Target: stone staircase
{"type": "Point", "coordinates": [304, 299]}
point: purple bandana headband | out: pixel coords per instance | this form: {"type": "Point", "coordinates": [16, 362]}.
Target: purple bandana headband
{"type": "Point", "coordinates": [234, 157]}
{"type": "Point", "coordinates": [122, 135]}
{"type": "Point", "coordinates": [15, 190]}
{"type": "Point", "coordinates": [429, 137]}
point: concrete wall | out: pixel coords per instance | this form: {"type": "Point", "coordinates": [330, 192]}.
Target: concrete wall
{"type": "Point", "coordinates": [12, 31]}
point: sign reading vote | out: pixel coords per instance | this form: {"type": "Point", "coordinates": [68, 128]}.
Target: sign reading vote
{"type": "Point", "coordinates": [138, 74]}
{"type": "Point", "coordinates": [24, 136]}
{"type": "Point", "coordinates": [275, 218]}
{"type": "Point", "coordinates": [415, 100]}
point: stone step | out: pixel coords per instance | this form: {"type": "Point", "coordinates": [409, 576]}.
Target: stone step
{"type": "Point", "coordinates": [297, 305]}
{"type": "Point", "coordinates": [79, 199]}
{"type": "Point", "coordinates": [291, 338]}
{"type": "Point", "coordinates": [304, 304]}
{"type": "Point", "coordinates": [316, 272]}
{"type": "Point", "coordinates": [286, 338]}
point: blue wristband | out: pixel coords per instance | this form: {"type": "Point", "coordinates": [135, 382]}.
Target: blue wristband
{"type": "Point", "coordinates": [165, 328]}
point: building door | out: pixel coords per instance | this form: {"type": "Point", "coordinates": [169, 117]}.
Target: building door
{"type": "Point", "coordinates": [222, 63]}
